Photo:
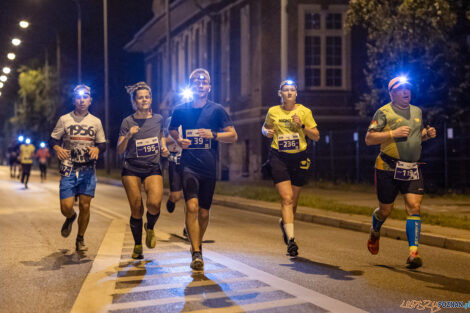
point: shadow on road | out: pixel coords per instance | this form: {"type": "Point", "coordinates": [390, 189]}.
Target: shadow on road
{"type": "Point", "coordinates": [178, 238]}
{"type": "Point", "coordinates": [459, 285]}
{"type": "Point", "coordinates": [307, 266]}
{"type": "Point", "coordinates": [56, 260]}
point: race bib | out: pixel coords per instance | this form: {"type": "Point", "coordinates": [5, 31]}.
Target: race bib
{"type": "Point", "coordinates": [289, 142]}
{"type": "Point", "coordinates": [196, 141]}
{"type": "Point", "coordinates": [65, 168]}
{"type": "Point", "coordinates": [175, 158]}
{"type": "Point", "coordinates": [406, 171]}
{"type": "Point", "coordinates": [147, 147]}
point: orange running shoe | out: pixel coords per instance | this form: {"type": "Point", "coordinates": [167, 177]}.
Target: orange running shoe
{"type": "Point", "coordinates": [373, 242]}
{"type": "Point", "coordinates": [414, 260]}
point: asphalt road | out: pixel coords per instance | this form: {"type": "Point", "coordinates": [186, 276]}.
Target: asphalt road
{"type": "Point", "coordinates": [246, 264]}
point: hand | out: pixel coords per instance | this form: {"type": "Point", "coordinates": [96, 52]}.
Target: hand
{"type": "Point", "coordinates": [205, 133]}
{"type": "Point", "coordinates": [165, 151]}
{"type": "Point", "coordinates": [134, 130]}
{"type": "Point", "coordinates": [184, 143]}
{"type": "Point", "coordinates": [62, 154]}
{"type": "Point", "coordinates": [400, 132]}
{"type": "Point", "coordinates": [430, 132]}
{"type": "Point", "coordinates": [93, 152]}
{"type": "Point", "coordinates": [297, 121]}
{"type": "Point", "coordinates": [269, 133]}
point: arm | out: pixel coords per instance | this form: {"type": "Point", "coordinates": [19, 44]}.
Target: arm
{"type": "Point", "coordinates": [124, 140]}
{"type": "Point", "coordinates": [183, 143]}
{"type": "Point", "coordinates": [375, 137]}
{"type": "Point", "coordinates": [229, 135]}
{"type": "Point", "coordinates": [267, 130]}
{"type": "Point", "coordinates": [428, 133]}
{"type": "Point", "coordinates": [62, 154]}
{"type": "Point", "coordinates": [164, 148]}
{"type": "Point", "coordinates": [312, 133]}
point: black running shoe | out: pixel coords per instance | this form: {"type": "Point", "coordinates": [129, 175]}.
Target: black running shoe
{"type": "Point", "coordinates": [170, 206]}
{"type": "Point", "coordinates": [292, 248]}
{"type": "Point", "coordinates": [67, 226]}
{"type": "Point", "coordinates": [284, 235]}
{"type": "Point", "coordinates": [197, 263]}
{"type": "Point", "coordinates": [80, 246]}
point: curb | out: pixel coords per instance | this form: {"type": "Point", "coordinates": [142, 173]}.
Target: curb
{"type": "Point", "coordinates": [440, 241]}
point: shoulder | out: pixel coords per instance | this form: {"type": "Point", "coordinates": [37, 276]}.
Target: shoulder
{"type": "Point", "coordinates": [274, 109]}
{"type": "Point", "coordinates": [215, 105]}
{"type": "Point", "coordinates": [157, 117]}
{"type": "Point", "coordinates": [93, 118]}
{"type": "Point", "coordinates": [303, 108]}
{"type": "Point", "coordinates": [126, 120]}
{"type": "Point", "coordinates": [416, 109]}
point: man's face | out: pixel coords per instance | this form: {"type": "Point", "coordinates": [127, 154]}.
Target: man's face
{"type": "Point", "coordinates": [288, 93]}
{"type": "Point", "coordinates": [200, 86]}
{"type": "Point", "coordinates": [82, 101]}
{"type": "Point", "coordinates": [401, 95]}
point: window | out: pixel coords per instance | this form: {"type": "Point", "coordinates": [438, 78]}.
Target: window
{"type": "Point", "coordinates": [323, 48]}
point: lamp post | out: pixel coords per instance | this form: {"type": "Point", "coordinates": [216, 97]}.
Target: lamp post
{"type": "Point", "coordinates": [79, 40]}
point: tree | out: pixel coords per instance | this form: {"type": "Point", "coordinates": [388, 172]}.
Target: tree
{"type": "Point", "coordinates": [420, 39]}
{"type": "Point", "coordinates": [35, 110]}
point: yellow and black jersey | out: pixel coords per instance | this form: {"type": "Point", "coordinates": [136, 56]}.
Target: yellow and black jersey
{"type": "Point", "coordinates": [288, 136]}
{"type": "Point", "coordinates": [26, 153]}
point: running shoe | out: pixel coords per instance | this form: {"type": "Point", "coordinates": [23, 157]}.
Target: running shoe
{"type": "Point", "coordinates": [185, 233]}
{"type": "Point", "coordinates": [373, 242]}
{"type": "Point", "coordinates": [151, 239]}
{"type": "Point", "coordinates": [67, 226]}
{"type": "Point", "coordinates": [138, 252]}
{"type": "Point", "coordinates": [197, 263]}
{"type": "Point", "coordinates": [414, 260]}
{"type": "Point", "coordinates": [80, 246]}
{"type": "Point", "coordinates": [292, 248]}
{"type": "Point", "coordinates": [284, 235]}
{"type": "Point", "coordinates": [170, 206]}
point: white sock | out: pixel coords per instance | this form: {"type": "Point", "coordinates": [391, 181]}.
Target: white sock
{"type": "Point", "coordinates": [289, 228]}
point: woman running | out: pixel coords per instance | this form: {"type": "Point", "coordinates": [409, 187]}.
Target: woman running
{"type": "Point", "coordinates": [288, 124]}
{"type": "Point", "coordinates": [142, 142]}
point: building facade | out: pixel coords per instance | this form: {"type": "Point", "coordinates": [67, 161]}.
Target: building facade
{"type": "Point", "coordinates": [249, 47]}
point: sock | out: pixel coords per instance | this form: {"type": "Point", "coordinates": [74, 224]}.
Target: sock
{"type": "Point", "coordinates": [79, 238]}
{"type": "Point", "coordinates": [152, 219]}
{"type": "Point", "coordinates": [376, 222]}
{"type": "Point", "coordinates": [413, 230]}
{"type": "Point", "coordinates": [136, 228]}
{"type": "Point", "coordinates": [289, 228]}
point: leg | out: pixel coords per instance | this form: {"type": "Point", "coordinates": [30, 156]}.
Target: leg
{"type": "Point", "coordinates": [175, 196]}
{"type": "Point", "coordinates": [132, 186]}
{"type": "Point", "coordinates": [296, 193]}
{"type": "Point", "coordinates": [154, 188]}
{"type": "Point", "coordinates": [192, 223]}
{"type": "Point", "coordinates": [413, 227]}
{"type": "Point", "coordinates": [174, 173]}
{"type": "Point", "coordinates": [84, 214]}
{"type": "Point", "coordinates": [206, 193]}
{"type": "Point", "coordinates": [287, 201]}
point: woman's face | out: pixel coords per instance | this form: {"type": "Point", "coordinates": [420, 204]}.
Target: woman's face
{"type": "Point", "coordinates": [288, 93]}
{"type": "Point", "coordinates": [142, 100]}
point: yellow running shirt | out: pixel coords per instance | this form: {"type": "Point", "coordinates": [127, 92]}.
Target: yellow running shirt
{"type": "Point", "coordinates": [26, 154]}
{"type": "Point", "coordinates": [290, 136]}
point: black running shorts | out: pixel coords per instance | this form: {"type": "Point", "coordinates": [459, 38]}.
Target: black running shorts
{"type": "Point", "coordinates": [143, 174]}
{"type": "Point", "coordinates": [387, 187]}
{"type": "Point", "coordinates": [200, 188]}
{"type": "Point", "coordinates": [289, 166]}
{"type": "Point", "coordinates": [26, 168]}
{"type": "Point", "coordinates": [175, 175]}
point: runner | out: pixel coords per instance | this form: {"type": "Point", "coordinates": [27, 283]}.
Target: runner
{"type": "Point", "coordinates": [141, 141]}
{"type": "Point", "coordinates": [398, 128]}
{"type": "Point", "coordinates": [289, 124]}
{"type": "Point", "coordinates": [78, 139]}
{"type": "Point", "coordinates": [204, 123]}
{"type": "Point", "coordinates": [43, 156]}
{"type": "Point", "coordinates": [26, 160]}
{"type": "Point", "coordinates": [13, 154]}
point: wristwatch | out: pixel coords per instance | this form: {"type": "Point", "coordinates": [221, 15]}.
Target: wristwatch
{"type": "Point", "coordinates": [303, 126]}
{"type": "Point", "coordinates": [214, 134]}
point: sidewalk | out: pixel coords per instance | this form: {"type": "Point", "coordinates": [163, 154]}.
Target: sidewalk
{"type": "Point", "coordinates": [438, 236]}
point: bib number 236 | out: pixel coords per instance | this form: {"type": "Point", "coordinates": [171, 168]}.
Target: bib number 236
{"type": "Point", "coordinates": [289, 142]}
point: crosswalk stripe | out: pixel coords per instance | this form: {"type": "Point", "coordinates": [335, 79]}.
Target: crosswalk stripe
{"type": "Point", "coordinates": [239, 308]}
{"type": "Point", "coordinates": [182, 273]}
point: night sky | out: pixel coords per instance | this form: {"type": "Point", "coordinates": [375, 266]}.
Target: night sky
{"type": "Point", "coordinates": [48, 17]}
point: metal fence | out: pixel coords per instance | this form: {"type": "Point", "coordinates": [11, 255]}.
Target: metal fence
{"type": "Point", "coordinates": [342, 155]}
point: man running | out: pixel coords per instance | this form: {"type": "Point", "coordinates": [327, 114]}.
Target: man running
{"type": "Point", "coordinates": [78, 139]}
{"type": "Point", "coordinates": [398, 128]}
{"type": "Point", "coordinates": [13, 153]}
{"type": "Point", "coordinates": [26, 160]}
{"type": "Point", "coordinates": [43, 156]}
{"type": "Point", "coordinates": [204, 123]}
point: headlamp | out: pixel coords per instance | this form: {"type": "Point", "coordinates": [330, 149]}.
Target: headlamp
{"type": "Point", "coordinates": [42, 144]}
{"type": "Point", "coordinates": [187, 94]}
{"type": "Point", "coordinates": [20, 138]}
{"type": "Point", "coordinates": [27, 141]}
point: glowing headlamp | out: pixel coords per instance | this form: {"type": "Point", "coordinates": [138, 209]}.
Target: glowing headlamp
{"type": "Point", "coordinates": [42, 144]}
{"type": "Point", "coordinates": [27, 141]}
{"type": "Point", "coordinates": [288, 82]}
{"type": "Point", "coordinates": [20, 138]}
{"type": "Point", "coordinates": [398, 82]}
{"type": "Point", "coordinates": [187, 94]}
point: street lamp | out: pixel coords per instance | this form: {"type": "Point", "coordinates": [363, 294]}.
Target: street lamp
{"type": "Point", "coordinates": [16, 41]}
{"type": "Point", "coordinates": [6, 70]}
{"type": "Point", "coordinates": [3, 78]}
{"type": "Point", "coordinates": [11, 56]}
{"type": "Point", "coordinates": [1, 85]}
{"type": "Point", "coordinates": [24, 24]}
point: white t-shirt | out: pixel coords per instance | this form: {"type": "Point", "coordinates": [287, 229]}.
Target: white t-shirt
{"type": "Point", "coordinates": [78, 133]}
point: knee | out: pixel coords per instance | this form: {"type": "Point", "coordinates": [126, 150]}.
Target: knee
{"type": "Point", "coordinates": [84, 207]}
{"type": "Point", "coordinates": [136, 204]}
{"type": "Point", "coordinates": [384, 211]}
{"type": "Point", "coordinates": [204, 214]}
{"type": "Point", "coordinates": [413, 208]}
{"type": "Point", "coordinates": [287, 200]}
{"type": "Point", "coordinates": [175, 197]}
{"type": "Point", "coordinates": [192, 208]}
{"type": "Point", "coordinates": [153, 206]}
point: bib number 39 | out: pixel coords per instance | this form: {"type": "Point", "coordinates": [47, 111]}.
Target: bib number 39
{"type": "Point", "coordinates": [289, 142]}
{"type": "Point", "coordinates": [406, 171]}
{"type": "Point", "coordinates": [196, 141]}
{"type": "Point", "coordinates": [147, 147]}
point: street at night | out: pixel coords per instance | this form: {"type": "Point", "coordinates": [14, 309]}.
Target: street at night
{"type": "Point", "coordinates": [246, 268]}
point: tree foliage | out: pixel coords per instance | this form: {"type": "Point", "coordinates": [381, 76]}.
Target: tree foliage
{"type": "Point", "coordinates": [38, 101]}
{"type": "Point", "coordinates": [417, 38]}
